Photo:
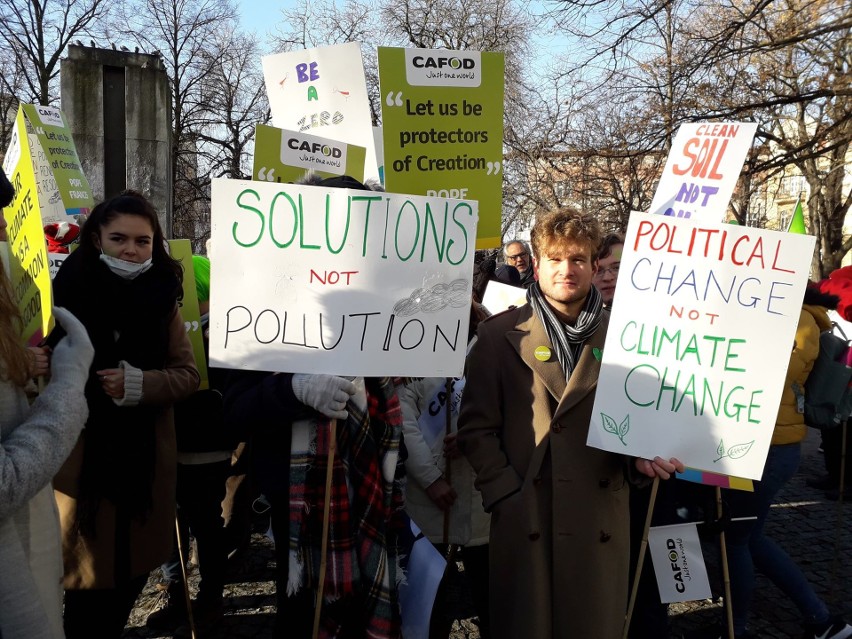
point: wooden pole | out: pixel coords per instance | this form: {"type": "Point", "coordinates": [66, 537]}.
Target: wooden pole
{"type": "Point", "coordinates": [448, 466]}
{"type": "Point", "coordinates": [332, 449]}
{"type": "Point", "coordinates": [185, 580]}
{"type": "Point", "coordinates": [726, 575]}
{"type": "Point", "coordinates": [640, 562]}
{"type": "Point", "coordinates": [838, 520]}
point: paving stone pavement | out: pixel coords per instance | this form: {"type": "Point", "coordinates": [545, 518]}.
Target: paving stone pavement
{"type": "Point", "coordinates": [804, 523]}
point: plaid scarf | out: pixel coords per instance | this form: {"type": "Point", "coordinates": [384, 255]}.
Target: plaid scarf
{"type": "Point", "coordinates": [567, 340]}
{"type": "Point", "coordinates": [366, 496]}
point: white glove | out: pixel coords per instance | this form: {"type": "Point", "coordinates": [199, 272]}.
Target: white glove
{"type": "Point", "coordinates": [327, 394]}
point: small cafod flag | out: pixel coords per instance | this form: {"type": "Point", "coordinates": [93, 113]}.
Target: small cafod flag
{"type": "Point", "coordinates": [678, 563]}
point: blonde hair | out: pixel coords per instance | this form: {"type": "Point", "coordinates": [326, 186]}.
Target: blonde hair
{"type": "Point", "coordinates": [565, 225]}
{"type": "Point", "coordinates": [14, 357]}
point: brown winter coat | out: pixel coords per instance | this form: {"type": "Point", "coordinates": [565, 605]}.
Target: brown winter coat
{"type": "Point", "coordinates": [90, 563]}
{"type": "Point", "coordinates": [559, 526]}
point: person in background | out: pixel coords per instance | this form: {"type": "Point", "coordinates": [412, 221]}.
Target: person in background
{"type": "Point", "coordinates": [204, 461]}
{"type": "Point", "coordinates": [440, 485]}
{"type": "Point", "coordinates": [609, 261]}
{"type": "Point", "coordinates": [517, 254]}
{"type": "Point", "coordinates": [34, 442]}
{"type": "Point", "coordinates": [289, 417]}
{"type": "Point", "coordinates": [748, 545]}
{"type": "Point", "coordinates": [116, 492]}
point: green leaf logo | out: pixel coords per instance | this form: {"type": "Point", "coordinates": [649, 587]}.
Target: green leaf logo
{"type": "Point", "coordinates": [598, 353]}
{"type": "Point", "coordinates": [619, 430]}
{"type": "Point", "coordinates": [734, 452]}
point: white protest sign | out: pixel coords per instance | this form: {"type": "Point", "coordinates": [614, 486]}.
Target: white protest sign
{"type": "Point", "coordinates": [346, 282]}
{"type": "Point", "coordinates": [702, 169]}
{"type": "Point", "coordinates": [678, 563]}
{"type": "Point", "coordinates": [322, 92]}
{"type": "Point", "coordinates": [499, 297]}
{"type": "Point", "coordinates": [699, 341]}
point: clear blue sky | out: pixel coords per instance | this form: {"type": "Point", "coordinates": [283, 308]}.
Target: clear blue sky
{"type": "Point", "coordinates": [261, 15]}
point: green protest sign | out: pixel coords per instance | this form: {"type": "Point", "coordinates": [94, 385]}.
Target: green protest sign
{"type": "Point", "coordinates": [286, 156]}
{"type": "Point", "coordinates": [181, 250]}
{"type": "Point", "coordinates": [56, 162]}
{"type": "Point", "coordinates": [442, 118]}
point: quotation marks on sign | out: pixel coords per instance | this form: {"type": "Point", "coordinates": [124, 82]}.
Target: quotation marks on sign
{"type": "Point", "coordinates": [390, 100]}
{"type": "Point", "coordinates": [432, 300]}
{"type": "Point", "coordinates": [493, 168]}
{"type": "Point", "coordinates": [191, 327]}
{"type": "Point", "coordinates": [266, 175]}
{"type": "Point", "coordinates": [734, 452]}
{"type": "Point", "coordinates": [619, 430]}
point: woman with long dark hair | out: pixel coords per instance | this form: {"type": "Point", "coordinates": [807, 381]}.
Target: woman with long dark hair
{"type": "Point", "coordinates": [116, 492]}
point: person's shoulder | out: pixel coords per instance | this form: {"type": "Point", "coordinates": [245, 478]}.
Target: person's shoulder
{"type": "Point", "coordinates": [504, 319]}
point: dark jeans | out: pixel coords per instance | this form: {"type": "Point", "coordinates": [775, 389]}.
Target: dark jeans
{"type": "Point", "coordinates": [749, 548]}
{"type": "Point", "coordinates": [200, 491]}
{"type": "Point", "coordinates": [100, 613]}
{"type": "Point", "coordinates": [476, 574]}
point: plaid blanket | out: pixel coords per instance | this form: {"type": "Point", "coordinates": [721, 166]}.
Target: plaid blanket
{"type": "Point", "coordinates": [366, 496]}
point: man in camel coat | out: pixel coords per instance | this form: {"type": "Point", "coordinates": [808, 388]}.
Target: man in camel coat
{"type": "Point", "coordinates": [559, 530]}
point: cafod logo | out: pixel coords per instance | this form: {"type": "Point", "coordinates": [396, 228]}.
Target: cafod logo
{"type": "Point", "coordinates": [442, 68]}
{"type": "Point", "coordinates": [316, 148]}
{"type": "Point", "coordinates": [677, 570]}
{"type": "Point", "coordinates": [430, 62]}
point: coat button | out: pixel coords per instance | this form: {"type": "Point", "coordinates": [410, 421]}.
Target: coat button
{"type": "Point", "coordinates": [557, 428]}
{"type": "Point", "coordinates": [605, 536]}
{"type": "Point", "coordinates": [534, 536]}
{"type": "Point", "coordinates": [603, 483]}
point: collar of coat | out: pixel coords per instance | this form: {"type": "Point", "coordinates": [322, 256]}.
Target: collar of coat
{"type": "Point", "coordinates": [529, 334]}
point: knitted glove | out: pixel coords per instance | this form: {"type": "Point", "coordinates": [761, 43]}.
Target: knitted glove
{"type": "Point", "coordinates": [327, 394]}
{"type": "Point", "coordinates": [73, 355]}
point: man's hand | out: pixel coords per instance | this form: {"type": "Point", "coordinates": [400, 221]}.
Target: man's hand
{"type": "Point", "coordinates": [442, 494]}
{"type": "Point", "coordinates": [451, 447]}
{"type": "Point", "coordinates": [659, 467]}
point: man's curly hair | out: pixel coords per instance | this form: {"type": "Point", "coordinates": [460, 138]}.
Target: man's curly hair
{"type": "Point", "coordinates": [566, 224]}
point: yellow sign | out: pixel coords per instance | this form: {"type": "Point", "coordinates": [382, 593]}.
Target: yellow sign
{"type": "Point", "coordinates": [28, 252]}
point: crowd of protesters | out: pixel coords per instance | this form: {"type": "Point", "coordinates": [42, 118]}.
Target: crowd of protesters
{"type": "Point", "coordinates": [492, 466]}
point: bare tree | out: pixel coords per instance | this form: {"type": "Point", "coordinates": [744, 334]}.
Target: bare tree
{"type": "Point", "coordinates": [180, 31]}
{"type": "Point", "coordinates": [36, 32]}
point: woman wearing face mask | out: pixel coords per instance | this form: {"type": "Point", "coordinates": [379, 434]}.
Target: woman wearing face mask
{"type": "Point", "coordinates": [116, 492]}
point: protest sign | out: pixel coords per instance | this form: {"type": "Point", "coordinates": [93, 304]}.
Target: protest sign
{"type": "Point", "coordinates": [702, 169]}
{"type": "Point", "coordinates": [500, 297]}
{"type": "Point", "coordinates": [380, 152]}
{"type": "Point", "coordinates": [287, 156]}
{"type": "Point", "coordinates": [28, 269]}
{"type": "Point", "coordinates": [678, 563]}
{"type": "Point", "coordinates": [181, 250]}
{"type": "Point", "coordinates": [346, 282]}
{"type": "Point", "coordinates": [442, 121]}
{"type": "Point", "coordinates": [698, 342]}
{"type": "Point", "coordinates": [63, 189]}
{"type": "Point", "coordinates": [322, 92]}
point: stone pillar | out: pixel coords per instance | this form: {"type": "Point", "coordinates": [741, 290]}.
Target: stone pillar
{"type": "Point", "coordinates": [118, 106]}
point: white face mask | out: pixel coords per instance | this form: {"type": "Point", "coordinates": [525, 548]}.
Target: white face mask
{"type": "Point", "coordinates": [125, 269]}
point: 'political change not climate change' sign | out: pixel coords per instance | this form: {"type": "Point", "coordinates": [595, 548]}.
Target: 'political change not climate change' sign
{"type": "Point", "coordinates": [699, 341]}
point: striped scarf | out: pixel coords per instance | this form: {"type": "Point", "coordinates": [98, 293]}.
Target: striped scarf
{"type": "Point", "coordinates": [567, 340]}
